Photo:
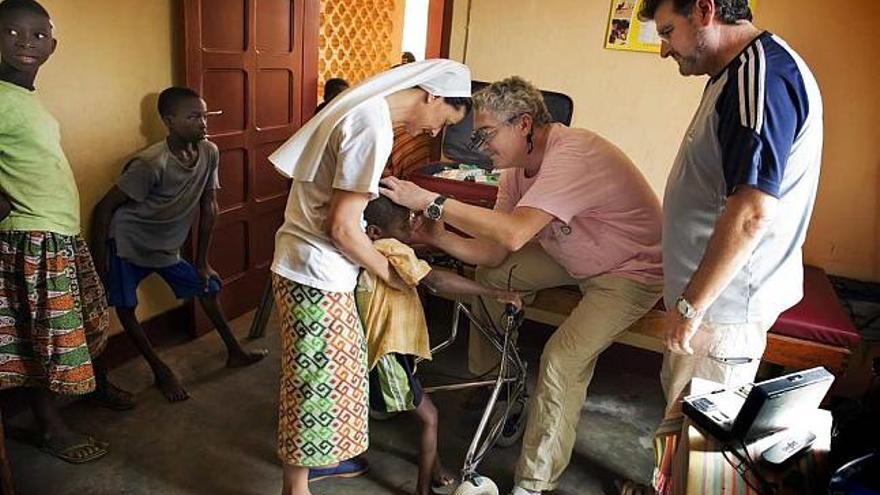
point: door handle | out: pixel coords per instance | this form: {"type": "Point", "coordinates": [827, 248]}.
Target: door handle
{"type": "Point", "coordinates": [213, 113]}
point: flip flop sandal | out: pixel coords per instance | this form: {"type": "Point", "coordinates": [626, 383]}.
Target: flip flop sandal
{"type": "Point", "coordinates": [79, 453]}
{"type": "Point", "coordinates": [444, 488]}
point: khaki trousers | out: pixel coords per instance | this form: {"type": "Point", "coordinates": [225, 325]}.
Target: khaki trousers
{"type": "Point", "coordinates": [723, 353]}
{"type": "Point", "coordinates": [610, 304]}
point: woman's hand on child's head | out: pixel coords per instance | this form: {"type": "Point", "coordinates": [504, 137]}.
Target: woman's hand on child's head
{"type": "Point", "coordinates": [405, 193]}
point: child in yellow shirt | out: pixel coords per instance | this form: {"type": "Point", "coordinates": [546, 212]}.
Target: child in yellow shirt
{"type": "Point", "coordinates": [397, 333]}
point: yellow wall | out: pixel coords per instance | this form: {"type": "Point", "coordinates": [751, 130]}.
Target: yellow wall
{"type": "Point", "coordinates": [458, 39]}
{"type": "Point", "coordinates": [845, 57]}
{"type": "Point", "coordinates": [641, 103]}
{"type": "Point", "coordinates": [113, 58]}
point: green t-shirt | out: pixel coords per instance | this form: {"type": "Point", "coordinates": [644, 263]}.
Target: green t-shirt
{"type": "Point", "coordinates": [34, 173]}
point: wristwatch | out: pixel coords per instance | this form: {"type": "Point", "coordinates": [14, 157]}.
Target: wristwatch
{"type": "Point", "coordinates": [686, 309]}
{"type": "Point", "coordinates": [435, 210]}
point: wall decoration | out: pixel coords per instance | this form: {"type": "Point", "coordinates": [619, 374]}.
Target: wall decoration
{"type": "Point", "coordinates": [626, 32]}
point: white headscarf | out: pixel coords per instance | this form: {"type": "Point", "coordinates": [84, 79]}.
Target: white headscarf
{"type": "Point", "coordinates": [300, 156]}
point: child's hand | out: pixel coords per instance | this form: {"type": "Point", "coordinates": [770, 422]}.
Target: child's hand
{"type": "Point", "coordinates": [513, 298]}
{"type": "Point", "coordinates": [206, 273]}
{"type": "Point", "coordinates": [394, 281]}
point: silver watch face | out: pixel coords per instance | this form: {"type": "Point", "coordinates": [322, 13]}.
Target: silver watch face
{"type": "Point", "coordinates": [433, 212]}
{"type": "Point", "coordinates": [684, 308]}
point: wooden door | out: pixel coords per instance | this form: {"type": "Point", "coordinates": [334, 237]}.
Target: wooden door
{"type": "Point", "coordinates": [255, 64]}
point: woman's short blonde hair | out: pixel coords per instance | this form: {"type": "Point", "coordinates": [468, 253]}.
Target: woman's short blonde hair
{"type": "Point", "coordinates": [511, 97]}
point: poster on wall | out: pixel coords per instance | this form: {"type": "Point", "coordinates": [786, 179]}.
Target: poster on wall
{"type": "Point", "coordinates": [626, 32]}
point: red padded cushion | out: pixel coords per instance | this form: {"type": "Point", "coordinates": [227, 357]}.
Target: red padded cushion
{"type": "Point", "coordinates": [819, 316]}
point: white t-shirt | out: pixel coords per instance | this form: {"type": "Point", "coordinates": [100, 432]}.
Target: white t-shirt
{"type": "Point", "coordinates": [355, 156]}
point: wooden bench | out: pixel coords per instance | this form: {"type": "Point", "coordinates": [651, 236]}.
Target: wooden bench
{"type": "Point", "coordinates": [816, 332]}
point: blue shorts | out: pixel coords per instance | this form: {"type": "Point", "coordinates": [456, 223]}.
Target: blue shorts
{"type": "Point", "coordinates": [124, 278]}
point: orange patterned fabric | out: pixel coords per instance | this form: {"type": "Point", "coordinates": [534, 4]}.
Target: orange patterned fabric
{"type": "Point", "coordinates": [355, 39]}
{"type": "Point", "coordinates": [53, 312]}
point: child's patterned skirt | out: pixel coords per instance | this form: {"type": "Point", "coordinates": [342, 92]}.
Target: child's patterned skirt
{"type": "Point", "coordinates": [53, 312]}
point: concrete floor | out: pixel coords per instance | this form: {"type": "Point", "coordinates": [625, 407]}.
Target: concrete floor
{"type": "Point", "coordinates": [221, 441]}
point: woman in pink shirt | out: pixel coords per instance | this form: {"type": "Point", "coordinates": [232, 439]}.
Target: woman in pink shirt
{"type": "Point", "coordinates": [572, 209]}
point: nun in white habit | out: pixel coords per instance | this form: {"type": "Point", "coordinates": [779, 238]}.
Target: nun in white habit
{"type": "Point", "coordinates": [336, 161]}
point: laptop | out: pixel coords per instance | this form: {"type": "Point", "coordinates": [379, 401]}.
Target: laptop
{"type": "Point", "coordinates": [754, 410]}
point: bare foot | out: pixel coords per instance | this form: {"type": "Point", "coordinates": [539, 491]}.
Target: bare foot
{"type": "Point", "coordinates": [108, 395]}
{"type": "Point", "coordinates": [246, 358]}
{"type": "Point", "coordinates": [170, 386]}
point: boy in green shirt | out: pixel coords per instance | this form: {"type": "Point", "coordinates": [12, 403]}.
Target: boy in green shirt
{"type": "Point", "coordinates": [53, 312]}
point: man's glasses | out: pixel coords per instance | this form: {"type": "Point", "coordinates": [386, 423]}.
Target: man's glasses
{"type": "Point", "coordinates": [485, 135]}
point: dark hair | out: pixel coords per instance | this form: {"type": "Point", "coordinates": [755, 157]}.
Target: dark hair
{"type": "Point", "coordinates": [456, 102]}
{"type": "Point", "coordinates": [382, 212]}
{"type": "Point", "coordinates": [172, 97]}
{"type": "Point", "coordinates": [7, 6]}
{"type": "Point", "coordinates": [459, 102]}
{"type": "Point", "coordinates": [333, 87]}
{"type": "Point", "coordinates": [728, 11]}
{"type": "Point", "coordinates": [408, 56]}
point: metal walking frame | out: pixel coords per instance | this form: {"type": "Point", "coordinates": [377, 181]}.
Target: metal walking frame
{"type": "Point", "coordinates": [503, 417]}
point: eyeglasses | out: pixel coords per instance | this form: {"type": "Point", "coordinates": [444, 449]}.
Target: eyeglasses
{"type": "Point", "coordinates": [485, 135]}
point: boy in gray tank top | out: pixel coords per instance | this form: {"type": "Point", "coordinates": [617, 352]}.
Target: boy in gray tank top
{"type": "Point", "coordinates": [142, 222]}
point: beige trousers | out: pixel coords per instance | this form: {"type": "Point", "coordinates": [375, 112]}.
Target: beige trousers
{"type": "Point", "coordinates": [610, 304]}
{"type": "Point", "coordinates": [728, 354]}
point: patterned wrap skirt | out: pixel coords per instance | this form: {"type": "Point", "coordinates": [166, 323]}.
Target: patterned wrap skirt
{"type": "Point", "coordinates": [323, 411]}
{"type": "Point", "coordinates": [53, 312]}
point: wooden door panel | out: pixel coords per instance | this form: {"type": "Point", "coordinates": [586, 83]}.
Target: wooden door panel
{"type": "Point", "coordinates": [263, 245]}
{"type": "Point", "coordinates": [225, 91]}
{"type": "Point", "coordinates": [252, 60]}
{"type": "Point", "coordinates": [231, 260]}
{"type": "Point", "coordinates": [274, 112]}
{"type": "Point", "coordinates": [271, 185]}
{"type": "Point", "coordinates": [233, 179]}
{"type": "Point", "coordinates": [274, 21]}
{"type": "Point", "coordinates": [224, 26]}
